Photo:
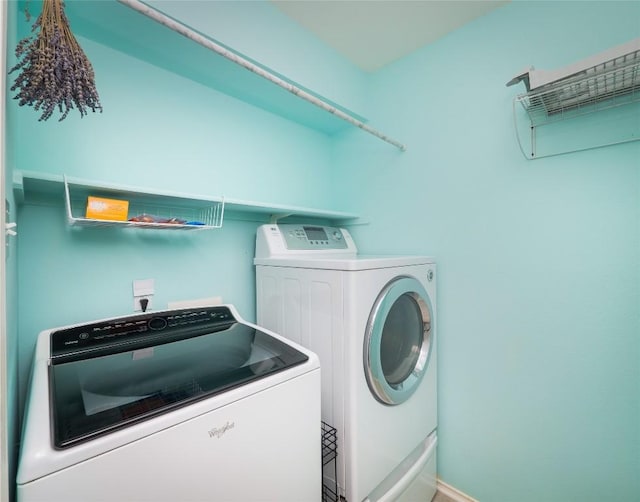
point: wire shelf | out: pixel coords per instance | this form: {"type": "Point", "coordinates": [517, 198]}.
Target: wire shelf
{"type": "Point", "coordinates": [146, 210]}
{"type": "Point", "coordinates": [608, 85]}
{"type": "Point", "coordinates": [603, 91]}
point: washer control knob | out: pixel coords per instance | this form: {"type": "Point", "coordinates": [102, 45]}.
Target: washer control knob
{"type": "Point", "coordinates": [337, 235]}
{"type": "Point", "coordinates": [157, 323]}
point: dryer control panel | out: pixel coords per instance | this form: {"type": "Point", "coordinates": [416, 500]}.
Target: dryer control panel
{"type": "Point", "coordinates": [287, 239]}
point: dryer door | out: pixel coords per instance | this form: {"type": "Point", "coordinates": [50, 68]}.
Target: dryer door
{"type": "Point", "coordinates": [398, 340]}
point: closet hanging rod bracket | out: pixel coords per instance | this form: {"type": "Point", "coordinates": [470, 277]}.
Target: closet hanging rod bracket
{"type": "Point", "coordinates": [191, 34]}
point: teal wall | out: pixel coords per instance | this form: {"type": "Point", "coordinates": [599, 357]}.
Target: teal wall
{"type": "Point", "coordinates": [539, 276]}
{"type": "Point", "coordinates": [539, 282]}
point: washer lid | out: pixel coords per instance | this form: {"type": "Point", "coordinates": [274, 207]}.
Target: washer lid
{"type": "Point", "coordinates": [93, 394]}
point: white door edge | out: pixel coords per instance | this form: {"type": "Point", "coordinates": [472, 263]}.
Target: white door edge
{"type": "Point", "coordinates": [4, 426]}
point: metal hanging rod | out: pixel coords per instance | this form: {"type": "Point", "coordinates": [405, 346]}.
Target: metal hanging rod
{"type": "Point", "coordinates": [209, 44]}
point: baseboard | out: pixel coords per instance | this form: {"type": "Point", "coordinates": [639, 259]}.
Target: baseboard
{"type": "Point", "coordinates": [453, 493]}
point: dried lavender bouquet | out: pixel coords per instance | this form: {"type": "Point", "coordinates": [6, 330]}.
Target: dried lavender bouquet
{"type": "Point", "coordinates": [54, 71]}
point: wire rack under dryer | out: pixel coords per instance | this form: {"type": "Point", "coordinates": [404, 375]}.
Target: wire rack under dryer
{"type": "Point", "coordinates": [329, 455]}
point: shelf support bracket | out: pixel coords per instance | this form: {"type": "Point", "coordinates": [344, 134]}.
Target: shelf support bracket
{"type": "Point", "coordinates": [278, 216]}
{"type": "Point", "coordinates": [187, 32]}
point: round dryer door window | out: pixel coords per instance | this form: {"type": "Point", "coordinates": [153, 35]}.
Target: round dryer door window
{"type": "Point", "coordinates": [398, 340]}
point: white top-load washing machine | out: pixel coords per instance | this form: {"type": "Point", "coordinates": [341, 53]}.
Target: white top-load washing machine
{"type": "Point", "coordinates": [178, 405]}
{"type": "Point", "coordinates": [371, 320]}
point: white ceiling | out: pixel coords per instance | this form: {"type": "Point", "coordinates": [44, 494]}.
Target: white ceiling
{"type": "Point", "coordinates": [373, 33]}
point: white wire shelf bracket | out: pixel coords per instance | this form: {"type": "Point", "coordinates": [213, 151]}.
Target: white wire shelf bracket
{"type": "Point", "coordinates": [206, 42]}
{"type": "Point", "coordinates": [603, 82]}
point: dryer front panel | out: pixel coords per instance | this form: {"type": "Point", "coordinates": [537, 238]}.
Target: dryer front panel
{"type": "Point", "coordinates": [398, 340]}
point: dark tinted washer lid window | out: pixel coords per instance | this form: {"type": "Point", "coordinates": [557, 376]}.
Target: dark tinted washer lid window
{"type": "Point", "coordinates": [101, 394]}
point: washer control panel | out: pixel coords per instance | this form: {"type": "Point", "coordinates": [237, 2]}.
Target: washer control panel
{"type": "Point", "coordinates": [73, 342]}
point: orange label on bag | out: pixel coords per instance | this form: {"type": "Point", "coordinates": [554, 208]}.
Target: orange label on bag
{"type": "Point", "coordinates": [99, 208]}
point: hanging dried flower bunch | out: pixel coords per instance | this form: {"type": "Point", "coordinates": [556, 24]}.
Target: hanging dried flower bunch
{"type": "Point", "coordinates": [54, 71]}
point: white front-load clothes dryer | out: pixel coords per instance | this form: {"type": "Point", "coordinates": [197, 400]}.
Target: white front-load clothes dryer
{"type": "Point", "coordinates": [371, 320]}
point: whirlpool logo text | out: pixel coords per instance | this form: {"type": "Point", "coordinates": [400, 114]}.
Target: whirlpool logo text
{"type": "Point", "coordinates": [218, 432]}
